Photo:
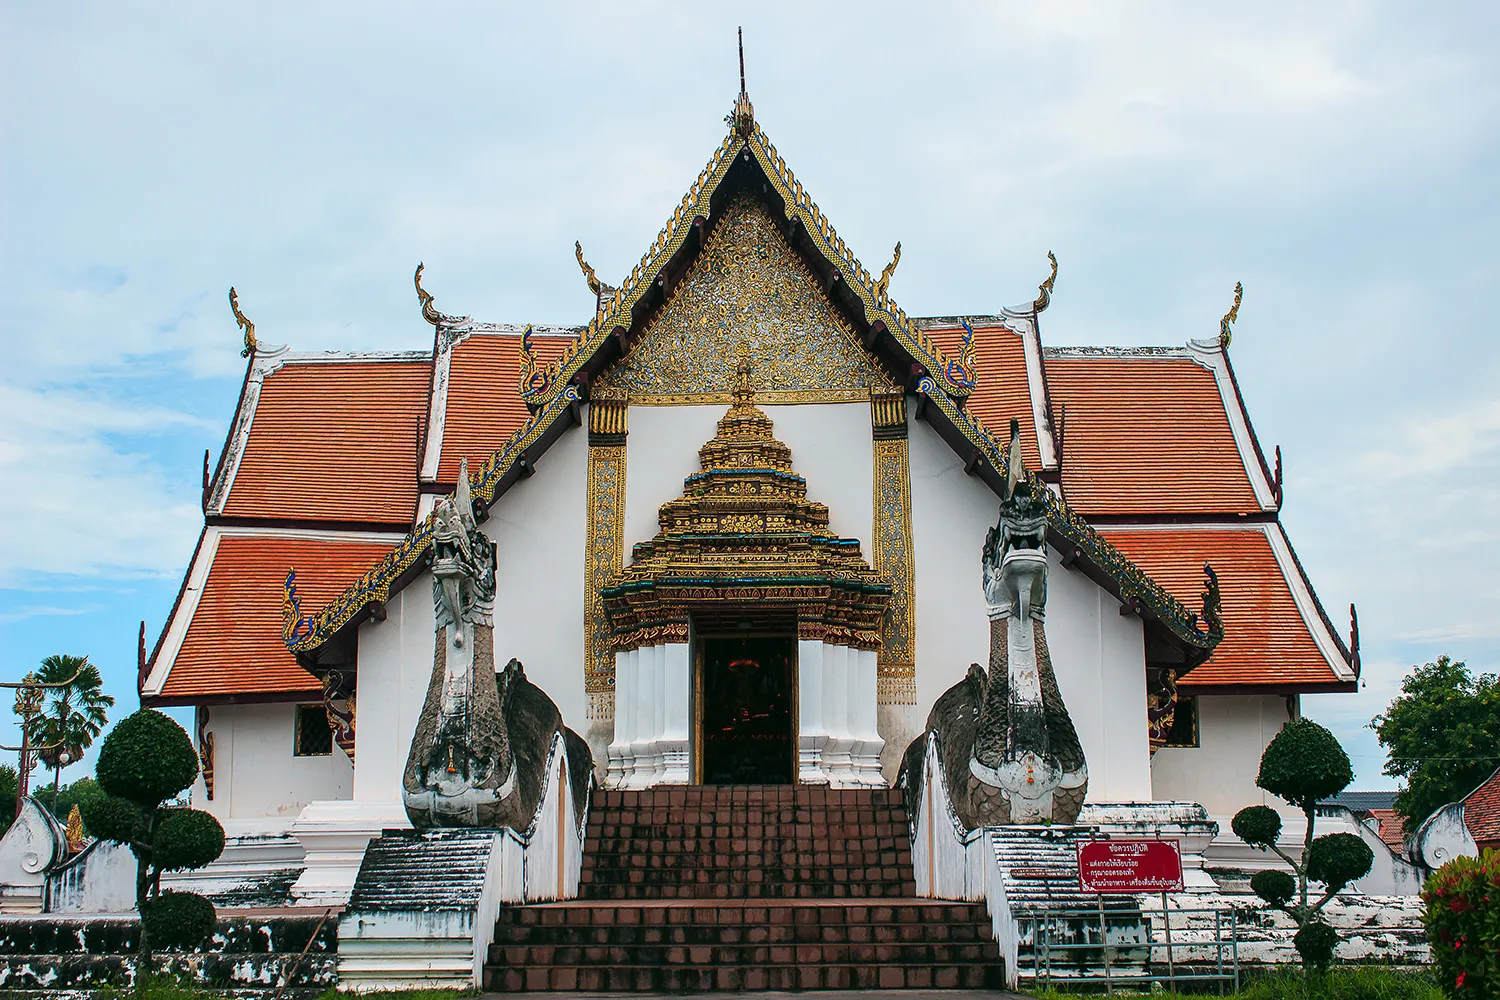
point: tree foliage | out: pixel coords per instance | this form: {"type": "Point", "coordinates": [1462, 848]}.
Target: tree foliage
{"type": "Point", "coordinates": [9, 785]}
{"type": "Point", "coordinates": [1462, 917]}
{"type": "Point", "coordinates": [1441, 736]}
{"type": "Point", "coordinates": [1303, 765]}
{"type": "Point", "coordinates": [73, 715]}
{"type": "Point", "coordinates": [145, 761]}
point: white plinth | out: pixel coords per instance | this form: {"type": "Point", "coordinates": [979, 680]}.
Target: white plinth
{"type": "Point", "coordinates": [335, 833]}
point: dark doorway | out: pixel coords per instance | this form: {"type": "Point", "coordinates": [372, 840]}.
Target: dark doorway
{"type": "Point", "coordinates": [745, 705]}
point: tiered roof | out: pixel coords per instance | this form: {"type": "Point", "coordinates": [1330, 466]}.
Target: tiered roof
{"type": "Point", "coordinates": [1132, 438]}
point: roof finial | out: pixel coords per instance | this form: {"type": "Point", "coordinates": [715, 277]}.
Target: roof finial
{"type": "Point", "coordinates": [884, 284]}
{"type": "Point", "coordinates": [1044, 290]}
{"type": "Point", "coordinates": [1225, 333]}
{"type": "Point", "coordinates": [743, 116]}
{"type": "Point", "coordinates": [588, 272]}
{"type": "Point", "coordinates": [244, 324]}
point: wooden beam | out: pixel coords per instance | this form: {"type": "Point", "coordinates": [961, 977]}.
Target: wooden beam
{"type": "Point", "coordinates": [376, 611]}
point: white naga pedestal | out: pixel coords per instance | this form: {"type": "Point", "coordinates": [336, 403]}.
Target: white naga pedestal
{"type": "Point", "coordinates": [335, 833]}
{"type": "Point", "coordinates": [837, 740]}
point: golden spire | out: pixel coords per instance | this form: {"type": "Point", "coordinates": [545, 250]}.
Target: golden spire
{"type": "Point", "coordinates": [1225, 333]}
{"type": "Point", "coordinates": [743, 116]}
{"type": "Point", "coordinates": [244, 324]}
{"type": "Point", "coordinates": [1044, 290]}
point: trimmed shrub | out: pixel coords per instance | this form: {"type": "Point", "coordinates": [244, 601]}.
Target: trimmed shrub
{"type": "Point", "coordinates": [178, 919]}
{"type": "Point", "coordinates": [1258, 826]}
{"type": "Point", "coordinates": [111, 818]}
{"type": "Point", "coordinates": [187, 838]}
{"type": "Point", "coordinates": [146, 758]}
{"type": "Point", "coordinates": [1315, 943]}
{"type": "Point", "coordinates": [1463, 924]}
{"type": "Point", "coordinates": [1275, 887]}
{"type": "Point", "coordinates": [1304, 764]}
{"type": "Point", "coordinates": [1336, 859]}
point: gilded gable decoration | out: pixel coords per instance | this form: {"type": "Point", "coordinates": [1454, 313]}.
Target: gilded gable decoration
{"type": "Point", "coordinates": [1044, 290]}
{"type": "Point", "coordinates": [747, 287]}
{"type": "Point", "coordinates": [251, 344]}
{"type": "Point", "coordinates": [744, 540]}
{"type": "Point", "coordinates": [1226, 325]}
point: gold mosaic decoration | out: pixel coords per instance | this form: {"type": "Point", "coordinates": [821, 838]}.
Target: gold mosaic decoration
{"type": "Point", "coordinates": [604, 552]}
{"type": "Point", "coordinates": [743, 539]}
{"type": "Point", "coordinates": [747, 287]}
{"type": "Point", "coordinates": [893, 550]}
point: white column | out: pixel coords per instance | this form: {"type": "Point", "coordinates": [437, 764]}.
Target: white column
{"type": "Point", "coordinates": [620, 757]}
{"type": "Point", "coordinates": [868, 745]}
{"type": "Point", "coordinates": [812, 734]}
{"type": "Point", "coordinates": [677, 682]}
{"type": "Point", "coordinates": [836, 692]}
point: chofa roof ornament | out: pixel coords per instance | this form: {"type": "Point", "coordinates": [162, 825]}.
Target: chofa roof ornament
{"type": "Point", "coordinates": [429, 312]}
{"type": "Point", "coordinates": [251, 344]}
{"type": "Point", "coordinates": [1226, 334]}
{"type": "Point", "coordinates": [1044, 290]}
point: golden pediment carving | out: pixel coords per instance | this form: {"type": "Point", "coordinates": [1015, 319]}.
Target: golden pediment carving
{"type": "Point", "coordinates": [748, 287]}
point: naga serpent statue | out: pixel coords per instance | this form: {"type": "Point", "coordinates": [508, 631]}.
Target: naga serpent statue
{"type": "Point", "coordinates": [1007, 746]}
{"type": "Point", "coordinates": [479, 754]}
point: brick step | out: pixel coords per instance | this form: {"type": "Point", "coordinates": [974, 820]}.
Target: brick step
{"type": "Point", "coordinates": [572, 945]}
{"type": "Point", "coordinates": [919, 913]}
{"type": "Point", "coordinates": [609, 956]}
{"type": "Point", "coordinates": [718, 978]}
{"type": "Point", "coordinates": [705, 875]}
{"type": "Point", "coordinates": [808, 891]}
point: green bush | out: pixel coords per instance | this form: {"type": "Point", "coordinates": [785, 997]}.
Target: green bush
{"type": "Point", "coordinates": [116, 819]}
{"type": "Point", "coordinates": [1275, 887]}
{"type": "Point", "coordinates": [1463, 924]}
{"type": "Point", "coordinates": [147, 758]}
{"type": "Point", "coordinates": [178, 919]}
{"type": "Point", "coordinates": [1304, 764]}
{"type": "Point", "coordinates": [1315, 943]}
{"type": "Point", "coordinates": [187, 838]}
{"type": "Point", "coordinates": [1336, 859]}
{"type": "Point", "coordinates": [1258, 826]}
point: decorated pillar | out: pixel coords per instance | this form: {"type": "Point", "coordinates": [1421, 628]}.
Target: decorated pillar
{"type": "Point", "coordinates": [604, 551]}
{"type": "Point", "coordinates": [896, 673]}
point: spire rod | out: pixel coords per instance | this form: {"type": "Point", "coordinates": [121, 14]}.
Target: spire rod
{"type": "Point", "coordinates": [741, 33]}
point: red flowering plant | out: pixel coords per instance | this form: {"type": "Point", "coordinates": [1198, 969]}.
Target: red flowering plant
{"type": "Point", "coordinates": [1463, 924]}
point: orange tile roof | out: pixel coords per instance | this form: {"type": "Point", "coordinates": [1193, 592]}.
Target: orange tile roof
{"type": "Point", "coordinates": [1003, 391]}
{"type": "Point", "coordinates": [233, 643]}
{"type": "Point", "coordinates": [1266, 641]}
{"type": "Point", "coordinates": [1482, 811]}
{"type": "Point", "coordinates": [1390, 828]}
{"type": "Point", "coordinates": [334, 441]}
{"type": "Point", "coordinates": [484, 404]}
{"type": "Point", "coordinates": [1146, 435]}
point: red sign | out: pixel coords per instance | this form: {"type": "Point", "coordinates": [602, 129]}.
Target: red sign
{"type": "Point", "coordinates": [1129, 866]}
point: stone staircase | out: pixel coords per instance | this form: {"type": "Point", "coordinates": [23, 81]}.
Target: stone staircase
{"type": "Point", "coordinates": [1039, 872]}
{"type": "Point", "coordinates": [776, 887]}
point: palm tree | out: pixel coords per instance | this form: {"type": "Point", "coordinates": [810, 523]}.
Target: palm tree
{"type": "Point", "coordinates": [74, 714]}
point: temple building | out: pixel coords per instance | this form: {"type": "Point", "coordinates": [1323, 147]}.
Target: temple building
{"type": "Point", "coordinates": [741, 522]}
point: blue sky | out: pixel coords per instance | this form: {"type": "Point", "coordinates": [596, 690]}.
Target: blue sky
{"type": "Point", "coordinates": [1339, 159]}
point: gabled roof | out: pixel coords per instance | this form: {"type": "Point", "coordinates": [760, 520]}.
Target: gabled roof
{"type": "Point", "coordinates": [1276, 635]}
{"type": "Point", "coordinates": [480, 408]}
{"type": "Point", "coordinates": [746, 160]}
{"type": "Point", "coordinates": [223, 638]}
{"type": "Point", "coordinates": [1004, 388]}
{"type": "Point", "coordinates": [324, 438]}
{"type": "Point", "coordinates": [1482, 810]}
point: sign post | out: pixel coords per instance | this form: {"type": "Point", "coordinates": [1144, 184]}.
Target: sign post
{"type": "Point", "coordinates": [1130, 867]}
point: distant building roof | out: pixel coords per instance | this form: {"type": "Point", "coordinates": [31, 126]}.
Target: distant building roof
{"type": "Point", "coordinates": [1368, 801]}
{"type": "Point", "coordinates": [1482, 811]}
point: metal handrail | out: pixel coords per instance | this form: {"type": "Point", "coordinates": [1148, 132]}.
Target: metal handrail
{"type": "Point", "coordinates": [1042, 922]}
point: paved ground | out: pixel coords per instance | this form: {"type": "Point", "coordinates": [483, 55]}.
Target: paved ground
{"type": "Point", "coordinates": [809, 995]}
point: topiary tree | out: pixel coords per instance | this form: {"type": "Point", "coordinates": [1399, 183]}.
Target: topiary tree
{"type": "Point", "coordinates": [145, 761]}
{"type": "Point", "coordinates": [1304, 764]}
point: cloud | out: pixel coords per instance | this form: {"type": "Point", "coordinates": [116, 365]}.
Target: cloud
{"type": "Point", "coordinates": [30, 611]}
{"type": "Point", "coordinates": [79, 505]}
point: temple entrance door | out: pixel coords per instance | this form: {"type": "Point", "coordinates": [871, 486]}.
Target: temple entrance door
{"type": "Point", "coordinates": [746, 711]}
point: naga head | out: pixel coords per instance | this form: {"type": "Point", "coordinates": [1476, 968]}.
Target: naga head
{"type": "Point", "coordinates": [1015, 550]}
{"type": "Point", "coordinates": [463, 561]}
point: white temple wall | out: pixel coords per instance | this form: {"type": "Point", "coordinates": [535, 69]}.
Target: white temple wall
{"type": "Point", "coordinates": [1219, 773]}
{"type": "Point", "coordinates": [256, 775]}
{"type": "Point", "coordinates": [540, 528]}
{"type": "Point", "coordinates": [831, 445]}
{"type": "Point", "coordinates": [395, 664]}
{"type": "Point", "coordinates": [1098, 656]}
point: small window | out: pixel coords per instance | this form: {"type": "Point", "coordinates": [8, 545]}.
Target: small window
{"type": "Point", "coordinates": [313, 737]}
{"type": "Point", "coordinates": [1184, 732]}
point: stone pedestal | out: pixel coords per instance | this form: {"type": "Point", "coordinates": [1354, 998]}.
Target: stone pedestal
{"type": "Point", "coordinates": [334, 834]}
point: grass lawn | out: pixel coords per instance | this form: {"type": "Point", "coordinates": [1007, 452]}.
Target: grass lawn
{"type": "Point", "coordinates": [1368, 983]}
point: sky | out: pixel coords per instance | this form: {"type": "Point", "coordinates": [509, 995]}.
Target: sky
{"type": "Point", "coordinates": [1340, 159]}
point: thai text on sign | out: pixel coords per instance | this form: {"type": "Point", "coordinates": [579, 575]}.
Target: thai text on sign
{"type": "Point", "coordinates": [1129, 866]}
